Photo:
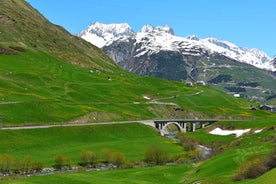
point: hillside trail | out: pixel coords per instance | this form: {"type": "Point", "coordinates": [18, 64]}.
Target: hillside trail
{"type": "Point", "coordinates": [146, 122]}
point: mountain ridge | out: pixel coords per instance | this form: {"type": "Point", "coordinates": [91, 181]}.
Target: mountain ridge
{"type": "Point", "coordinates": [163, 38]}
{"type": "Point", "coordinates": [157, 52]}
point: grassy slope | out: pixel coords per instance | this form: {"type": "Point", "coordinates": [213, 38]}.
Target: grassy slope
{"type": "Point", "coordinates": [43, 144]}
{"type": "Point", "coordinates": [237, 150]}
{"type": "Point", "coordinates": [217, 170]}
{"type": "Point", "coordinates": [51, 82]}
{"type": "Point", "coordinates": [132, 139]}
{"type": "Point", "coordinates": [46, 89]}
{"type": "Point", "coordinates": [48, 79]}
{"type": "Point", "coordinates": [164, 175]}
{"type": "Point", "coordinates": [239, 72]}
{"type": "Point", "coordinates": [22, 26]}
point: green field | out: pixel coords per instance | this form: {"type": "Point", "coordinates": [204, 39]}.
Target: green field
{"type": "Point", "coordinates": [133, 139]}
{"type": "Point", "coordinates": [44, 144]}
{"type": "Point", "coordinates": [48, 76]}
{"type": "Point", "coordinates": [37, 88]}
{"type": "Point", "coordinates": [160, 174]}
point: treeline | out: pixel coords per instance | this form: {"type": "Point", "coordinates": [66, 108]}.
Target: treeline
{"type": "Point", "coordinates": [9, 164]}
{"type": "Point", "coordinates": [154, 155]}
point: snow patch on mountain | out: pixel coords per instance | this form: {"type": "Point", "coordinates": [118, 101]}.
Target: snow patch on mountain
{"type": "Point", "coordinates": [150, 40]}
{"type": "Point", "coordinates": [100, 34]}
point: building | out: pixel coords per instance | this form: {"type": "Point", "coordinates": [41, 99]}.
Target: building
{"type": "Point", "coordinates": [201, 83]}
{"type": "Point", "coordinates": [270, 108]}
{"type": "Point", "coordinates": [190, 84]}
{"type": "Point", "coordinates": [237, 95]}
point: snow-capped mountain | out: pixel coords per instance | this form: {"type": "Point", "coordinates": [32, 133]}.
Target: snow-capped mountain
{"type": "Point", "coordinates": [150, 40]}
{"type": "Point", "coordinates": [158, 52]}
{"type": "Point", "coordinates": [273, 62]}
{"type": "Point", "coordinates": [100, 34]}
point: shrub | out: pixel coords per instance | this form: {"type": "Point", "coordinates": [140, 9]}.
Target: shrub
{"type": "Point", "coordinates": [156, 155]}
{"type": "Point", "coordinates": [107, 155]}
{"type": "Point", "coordinates": [119, 159]}
{"type": "Point", "coordinates": [27, 164]}
{"type": "Point", "coordinates": [17, 165]}
{"type": "Point", "coordinates": [187, 141]}
{"type": "Point", "coordinates": [62, 162]}
{"type": "Point", "coordinates": [251, 168]}
{"type": "Point", "coordinates": [87, 158]}
{"type": "Point", "coordinates": [5, 163]}
{"type": "Point", "coordinates": [271, 160]}
{"type": "Point", "coordinates": [59, 162]}
{"type": "Point", "coordinates": [37, 166]}
{"type": "Point", "coordinates": [195, 154]}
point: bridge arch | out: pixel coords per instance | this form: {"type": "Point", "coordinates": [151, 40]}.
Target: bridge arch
{"type": "Point", "coordinates": [163, 131]}
{"type": "Point", "coordinates": [181, 124]}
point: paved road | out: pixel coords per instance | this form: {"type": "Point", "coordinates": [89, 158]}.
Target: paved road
{"type": "Point", "coordinates": [146, 122]}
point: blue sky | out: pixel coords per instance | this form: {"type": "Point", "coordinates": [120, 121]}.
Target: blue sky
{"type": "Point", "coordinates": [246, 23]}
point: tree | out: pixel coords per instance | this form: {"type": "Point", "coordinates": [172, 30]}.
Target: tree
{"type": "Point", "coordinates": [87, 158]}
{"type": "Point", "coordinates": [156, 155]}
{"type": "Point", "coordinates": [61, 161]}
{"type": "Point", "coordinates": [37, 166]}
{"type": "Point", "coordinates": [107, 155]}
{"type": "Point", "coordinates": [17, 165]}
{"type": "Point", "coordinates": [27, 164]}
{"type": "Point", "coordinates": [187, 141]}
{"type": "Point", "coordinates": [119, 159]}
{"type": "Point", "coordinates": [5, 163]}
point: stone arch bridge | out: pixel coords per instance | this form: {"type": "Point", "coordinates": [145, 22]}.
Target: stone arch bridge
{"type": "Point", "coordinates": [182, 124]}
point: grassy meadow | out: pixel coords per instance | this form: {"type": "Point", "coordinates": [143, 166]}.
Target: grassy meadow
{"type": "Point", "coordinates": [44, 144]}
{"type": "Point", "coordinates": [48, 76]}
{"type": "Point", "coordinates": [37, 88]}
{"type": "Point", "coordinates": [132, 139]}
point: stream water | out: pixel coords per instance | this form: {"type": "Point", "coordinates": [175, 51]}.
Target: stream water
{"type": "Point", "coordinates": [205, 150]}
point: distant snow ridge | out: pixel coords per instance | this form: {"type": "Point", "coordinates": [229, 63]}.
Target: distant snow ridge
{"type": "Point", "coordinates": [154, 39]}
{"type": "Point", "coordinates": [157, 30]}
{"type": "Point", "coordinates": [100, 34]}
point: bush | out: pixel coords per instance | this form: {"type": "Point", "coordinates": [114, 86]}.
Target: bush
{"type": "Point", "coordinates": [251, 168]}
{"type": "Point", "coordinates": [107, 155]}
{"type": "Point", "coordinates": [119, 159]}
{"type": "Point", "coordinates": [187, 141]}
{"type": "Point", "coordinates": [271, 160]}
{"type": "Point", "coordinates": [62, 162]}
{"type": "Point", "coordinates": [27, 164]}
{"type": "Point", "coordinates": [195, 154]}
{"type": "Point", "coordinates": [37, 166]}
{"type": "Point", "coordinates": [156, 155]}
{"type": "Point", "coordinates": [5, 163]}
{"type": "Point", "coordinates": [88, 158]}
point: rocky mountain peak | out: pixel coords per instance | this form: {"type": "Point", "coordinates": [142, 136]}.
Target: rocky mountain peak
{"type": "Point", "coordinates": [147, 28]}
{"type": "Point", "coordinates": [152, 40]}
{"type": "Point", "coordinates": [100, 34]}
{"type": "Point", "coordinates": [192, 37]}
{"type": "Point", "coordinates": [159, 29]}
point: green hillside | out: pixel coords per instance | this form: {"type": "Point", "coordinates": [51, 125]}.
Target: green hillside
{"type": "Point", "coordinates": [132, 139]}
{"type": "Point", "coordinates": [22, 27]}
{"type": "Point", "coordinates": [38, 88]}
{"type": "Point", "coordinates": [48, 76]}
{"type": "Point", "coordinates": [43, 144]}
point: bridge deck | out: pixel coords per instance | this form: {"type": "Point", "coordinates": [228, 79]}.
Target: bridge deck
{"type": "Point", "coordinates": [186, 120]}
